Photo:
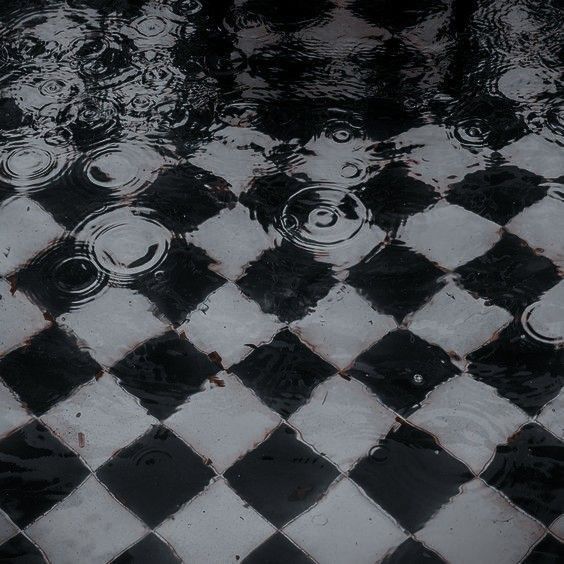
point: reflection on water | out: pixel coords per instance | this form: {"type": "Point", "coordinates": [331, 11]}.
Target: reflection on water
{"type": "Point", "coordinates": [158, 148]}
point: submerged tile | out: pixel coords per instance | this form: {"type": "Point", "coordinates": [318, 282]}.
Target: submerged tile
{"type": "Point", "coordinates": [410, 475]}
{"type": "Point", "coordinates": [528, 470]}
{"type": "Point", "coordinates": [89, 522]}
{"type": "Point", "coordinates": [145, 475]}
{"type": "Point", "coordinates": [282, 477]}
{"type": "Point", "coordinates": [480, 525]}
{"type": "Point", "coordinates": [283, 372]}
{"type": "Point", "coordinates": [237, 528]}
{"type": "Point", "coordinates": [345, 525]}
{"type": "Point", "coordinates": [37, 473]}
{"type": "Point", "coordinates": [324, 328]}
{"type": "Point", "coordinates": [223, 421]}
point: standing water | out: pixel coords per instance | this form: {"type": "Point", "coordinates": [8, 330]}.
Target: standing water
{"type": "Point", "coordinates": [281, 281]}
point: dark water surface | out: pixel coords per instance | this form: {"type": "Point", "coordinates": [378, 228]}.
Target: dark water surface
{"type": "Point", "coordinates": [281, 281]}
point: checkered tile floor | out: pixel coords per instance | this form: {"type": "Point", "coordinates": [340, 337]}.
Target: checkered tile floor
{"type": "Point", "coordinates": [397, 398]}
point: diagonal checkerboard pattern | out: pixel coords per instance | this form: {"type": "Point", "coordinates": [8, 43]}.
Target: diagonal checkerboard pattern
{"type": "Point", "coordinates": [306, 311]}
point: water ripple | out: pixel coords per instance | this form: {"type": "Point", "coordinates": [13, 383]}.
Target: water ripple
{"type": "Point", "coordinates": [124, 242]}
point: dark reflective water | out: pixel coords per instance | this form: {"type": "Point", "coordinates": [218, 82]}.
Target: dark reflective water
{"type": "Point", "coordinates": [269, 200]}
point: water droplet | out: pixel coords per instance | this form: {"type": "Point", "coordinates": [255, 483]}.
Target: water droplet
{"type": "Point", "coordinates": [150, 26]}
{"type": "Point", "coordinates": [472, 133]}
{"type": "Point", "coordinates": [29, 165]}
{"type": "Point", "coordinates": [75, 275]}
{"type": "Point", "coordinates": [418, 379]}
{"type": "Point", "coordinates": [319, 520]}
{"type": "Point", "coordinates": [544, 320]}
{"type": "Point", "coordinates": [157, 76]}
{"type": "Point", "coordinates": [379, 453]}
{"type": "Point", "coordinates": [124, 242]}
{"type": "Point", "coordinates": [141, 103]}
{"type": "Point", "coordinates": [322, 216]}
{"type": "Point", "coordinates": [189, 7]}
{"type": "Point", "coordinates": [350, 170]}
{"type": "Point", "coordinates": [52, 87]}
{"type": "Point", "coordinates": [123, 168]}
{"type": "Point", "coordinates": [341, 135]}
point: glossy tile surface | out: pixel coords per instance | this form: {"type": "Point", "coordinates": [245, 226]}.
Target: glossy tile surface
{"type": "Point", "coordinates": [281, 282]}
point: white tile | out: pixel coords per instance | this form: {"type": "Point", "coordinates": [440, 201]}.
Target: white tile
{"type": "Point", "coordinates": [19, 319]}
{"type": "Point", "coordinates": [449, 235]}
{"type": "Point", "coordinates": [343, 420]}
{"type": "Point", "coordinates": [536, 154]}
{"type": "Point", "coordinates": [232, 239]}
{"type": "Point", "coordinates": [236, 154]}
{"type": "Point", "coordinates": [109, 419]}
{"type": "Point", "coordinates": [469, 419]}
{"type": "Point", "coordinates": [113, 324]}
{"type": "Point", "coordinates": [435, 156]}
{"type": "Point", "coordinates": [323, 160]}
{"type": "Point", "coordinates": [348, 253]}
{"type": "Point", "coordinates": [12, 414]}
{"type": "Point", "coordinates": [89, 526]}
{"type": "Point", "coordinates": [345, 526]}
{"type": "Point", "coordinates": [7, 528]}
{"type": "Point", "coordinates": [540, 225]}
{"type": "Point", "coordinates": [25, 229]}
{"type": "Point", "coordinates": [480, 525]}
{"type": "Point", "coordinates": [557, 527]}
{"type": "Point", "coordinates": [227, 322]}
{"type": "Point", "coordinates": [342, 325]}
{"type": "Point", "coordinates": [458, 322]}
{"type": "Point", "coordinates": [552, 416]}
{"type": "Point", "coordinates": [215, 527]}
{"type": "Point", "coordinates": [223, 422]}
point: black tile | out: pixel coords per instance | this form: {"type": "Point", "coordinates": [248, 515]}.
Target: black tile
{"type": "Point", "coordinates": [497, 193]}
{"type": "Point", "coordinates": [282, 477]}
{"type": "Point", "coordinates": [186, 196]}
{"type": "Point", "coordinates": [11, 117]}
{"type": "Point", "coordinates": [402, 368]}
{"type": "Point", "coordinates": [155, 475]}
{"type": "Point", "coordinates": [72, 197]}
{"type": "Point", "coordinates": [181, 282]}
{"type": "Point", "coordinates": [19, 550]}
{"type": "Point", "coordinates": [283, 373]}
{"type": "Point", "coordinates": [396, 280]}
{"type": "Point", "coordinates": [61, 278]}
{"type": "Point", "coordinates": [287, 282]}
{"type": "Point", "coordinates": [392, 196]}
{"type": "Point", "coordinates": [410, 475]}
{"type": "Point", "coordinates": [47, 369]}
{"type": "Point", "coordinates": [548, 551]}
{"type": "Point", "coordinates": [529, 470]}
{"type": "Point", "coordinates": [277, 550]}
{"type": "Point", "coordinates": [36, 472]}
{"type": "Point", "coordinates": [509, 275]}
{"type": "Point", "coordinates": [163, 372]}
{"type": "Point", "coordinates": [521, 369]}
{"type": "Point", "coordinates": [412, 552]}
{"type": "Point", "coordinates": [268, 196]}
{"type": "Point", "coordinates": [498, 120]}
{"type": "Point", "coordinates": [149, 550]}
{"type": "Point", "coordinates": [92, 120]}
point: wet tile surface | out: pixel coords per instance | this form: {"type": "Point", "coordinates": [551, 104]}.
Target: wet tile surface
{"type": "Point", "coordinates": [281, 282]}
